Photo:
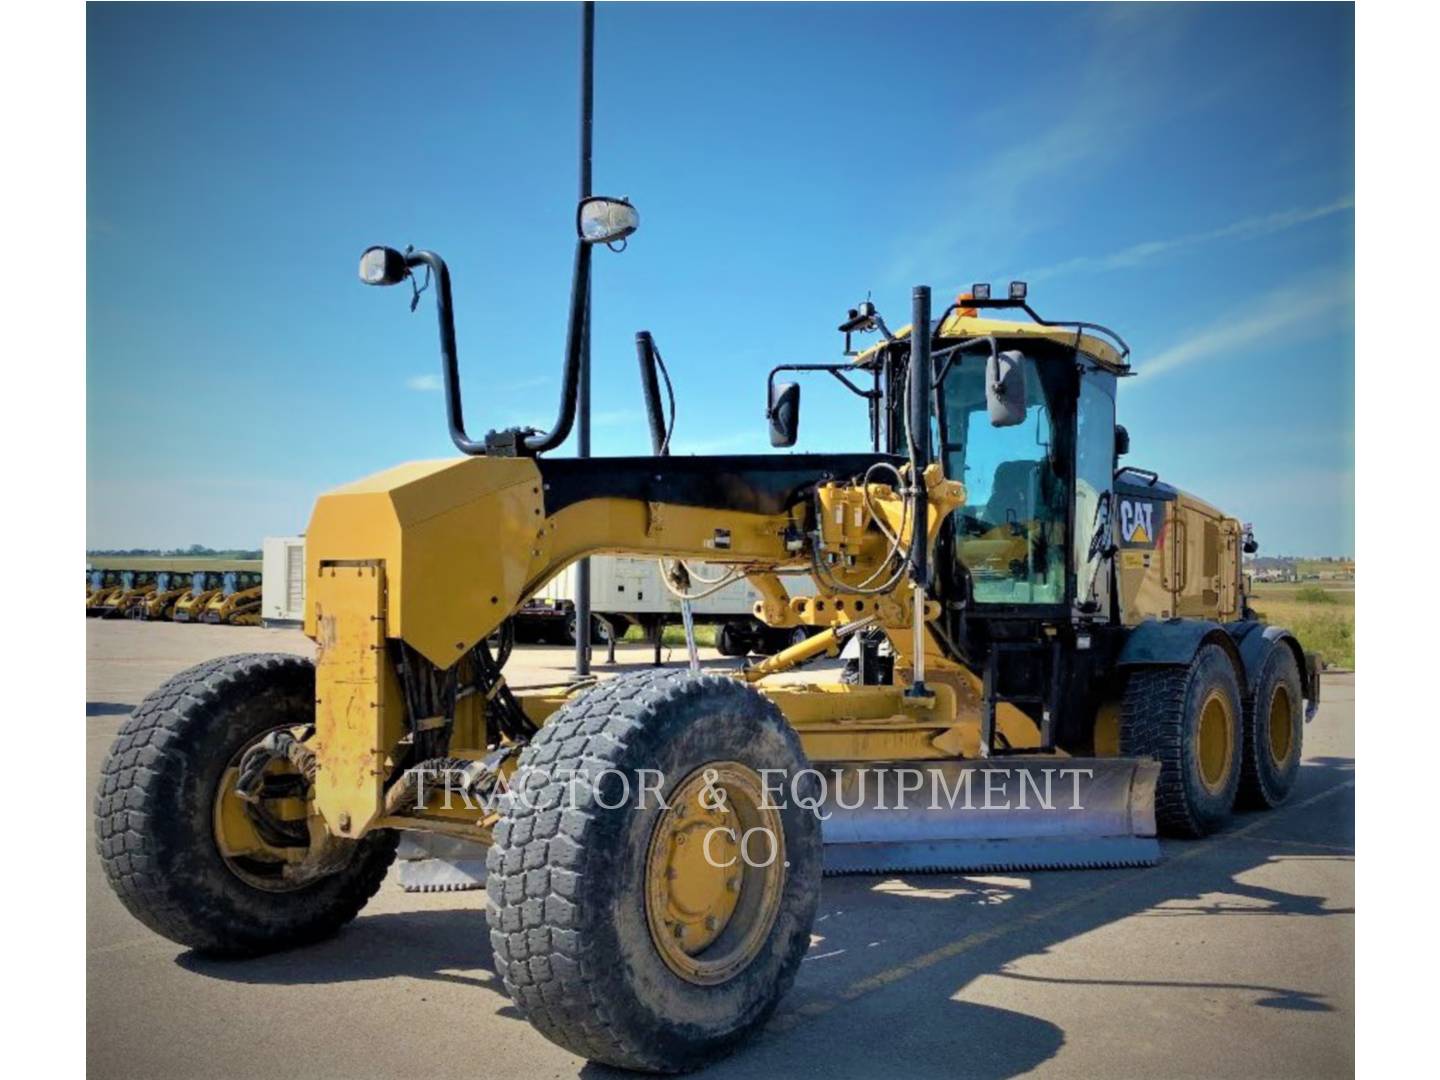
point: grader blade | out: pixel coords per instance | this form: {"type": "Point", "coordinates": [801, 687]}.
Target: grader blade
{"type": "Point", "coordinates": [1002, 813]}
{"type": "Point", "coordinates": [434, 863]}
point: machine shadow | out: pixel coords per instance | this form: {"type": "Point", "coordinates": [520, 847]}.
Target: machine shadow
{"type": "Point", "coordinates": [107, 708]}
{"type": "Point", "coordinates": [890, 954]}
{"type": "Point", "coordinates": [450, 946]}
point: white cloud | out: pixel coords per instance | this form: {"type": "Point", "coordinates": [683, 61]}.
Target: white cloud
{"type": "Point", "coordinates": [1245, 229]}
{"type": "Point", "coordinates": [424, 382]}
{"type": "Point", "coordinates": [1282, 310]}
{"type": "Point", "coordinates": [989, 202]}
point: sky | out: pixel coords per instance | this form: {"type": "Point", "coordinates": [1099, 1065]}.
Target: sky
{"type": "Point", "coordinates": [1184, 174]}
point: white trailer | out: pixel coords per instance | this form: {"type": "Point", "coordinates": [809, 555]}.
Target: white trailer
{"type": "Point", "coordinates": [625, 591]}
{"type": "Point", "coordinates": [282, 585]}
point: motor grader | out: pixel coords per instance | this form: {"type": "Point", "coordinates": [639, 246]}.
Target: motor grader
{"type": "Point", "coordinates": [1057, 661]}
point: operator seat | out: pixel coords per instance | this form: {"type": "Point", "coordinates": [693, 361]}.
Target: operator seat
{"type": "Point", "coordinates": [1013, 492]}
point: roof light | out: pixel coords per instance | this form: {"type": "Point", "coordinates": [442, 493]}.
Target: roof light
{"type": "Point", "coordinates": [980, 291]}
{"type": "Point", "coordinates": [1018, 290]}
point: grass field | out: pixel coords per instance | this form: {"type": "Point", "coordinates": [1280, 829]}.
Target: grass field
{"type": "Point", "coordinates": [1322, 615]}
{"type": "Point", "coordinates": [674, 634]}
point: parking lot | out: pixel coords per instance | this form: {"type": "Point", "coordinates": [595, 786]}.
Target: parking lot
{"type": "Point", "coordinates": [1234, 956]}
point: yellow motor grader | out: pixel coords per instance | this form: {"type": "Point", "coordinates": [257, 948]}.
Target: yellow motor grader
{"type": "Point", "coordinates": [1056, 661]}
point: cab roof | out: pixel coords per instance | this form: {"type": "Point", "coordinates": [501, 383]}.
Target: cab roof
{"type": "Point", "coordinates": [957, 325]}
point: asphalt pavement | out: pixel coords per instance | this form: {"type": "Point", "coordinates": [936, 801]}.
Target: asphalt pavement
{"type": "Point", "coordinates": [1234, 957]}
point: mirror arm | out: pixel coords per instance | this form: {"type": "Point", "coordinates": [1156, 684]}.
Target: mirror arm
{"type": "Point", "coordinates": [535, 442]}
{"type": "Point", "coordinates": [539, 442]}
{"type": "Point", "coordinates": [446, 314]}
{"type": "Point", "coordinates": [838, 370]}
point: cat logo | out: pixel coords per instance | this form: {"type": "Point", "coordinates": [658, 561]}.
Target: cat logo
{"type": "Point", "coordinates": [1137, 522]}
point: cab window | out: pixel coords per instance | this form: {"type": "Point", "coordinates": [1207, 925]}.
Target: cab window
{"type": "Point", "coordinates": [1010, 534]}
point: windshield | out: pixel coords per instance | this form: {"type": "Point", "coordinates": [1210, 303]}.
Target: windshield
{"type": "Point", "coordinates": [1010, 534]}
{"type": "Point", "coordinates": [198, 583]}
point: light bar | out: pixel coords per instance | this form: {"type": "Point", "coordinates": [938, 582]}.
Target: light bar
{"type": "Point", "coordinates": [980, 291]}
{"type": "Point", "coordinates": [1018, 290]}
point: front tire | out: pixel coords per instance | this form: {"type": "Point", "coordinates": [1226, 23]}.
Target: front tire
{"type": "Point", "coordinates": [610, 935]}
{"type": "Point", "coordinates": [166, 829]}
{"type": "Point", "coordinates": [1188, 719]}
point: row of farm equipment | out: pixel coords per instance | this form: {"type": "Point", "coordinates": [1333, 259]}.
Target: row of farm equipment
{"type": "Point", "coordinates": [179, 590]}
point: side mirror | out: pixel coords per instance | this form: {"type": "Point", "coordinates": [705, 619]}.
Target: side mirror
{"type": "Point", "coordinates": [383, 266]}
{"type": "Point", "coordinates": [1122, 441]}
{"type": "Point", "coordinates": [1005, 388]}
{"type": "Point", "coordinates": [784, 414]}
{"type": "Point", "coordinates": [601, 220]}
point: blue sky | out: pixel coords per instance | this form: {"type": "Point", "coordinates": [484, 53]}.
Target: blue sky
{"type": "Point", "coordinates": [1184, 174]}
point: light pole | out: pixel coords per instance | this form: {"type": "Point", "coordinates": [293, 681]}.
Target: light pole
{"type": "Point", "coordinates": [587, 125]}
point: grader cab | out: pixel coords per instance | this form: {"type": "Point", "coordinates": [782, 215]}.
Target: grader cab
{"type": "Point", "coordinates": [1072, 668]}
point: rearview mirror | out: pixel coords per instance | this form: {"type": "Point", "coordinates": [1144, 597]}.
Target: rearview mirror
{"type": "Point", "coordinates": [1122, 440]}
{"type": "Point", "coordinates": [784, 414]}
{"type": "Point", "coordinates": [383, 266]}
{"type": "Point", "coordinates": [1005, 388]}
{"type": "Point", "coordinates": [601, 220]}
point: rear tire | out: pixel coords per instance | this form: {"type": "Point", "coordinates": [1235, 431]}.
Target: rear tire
{"type": "Point", "coordinates": [1274, 733]}
{"type": "Point", "coordinates": [1189, 720]}
{"type": "Point", "coordinates": [155, 813]}
{"type": "Point", "coordinates": [572, 885]}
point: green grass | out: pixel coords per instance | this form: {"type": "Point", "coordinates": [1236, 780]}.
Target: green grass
{"type": "Point", "coordinates": [674, 635]}
{"type": "Point", "coordinates": [1321, 616]}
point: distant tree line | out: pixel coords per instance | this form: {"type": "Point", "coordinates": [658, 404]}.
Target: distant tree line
{"type": "Point", "coordinates": [194, 551]}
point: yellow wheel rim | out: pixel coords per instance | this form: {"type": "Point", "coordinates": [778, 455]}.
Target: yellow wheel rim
{"type": "Point", "coordinates": [714, 874]}
{"type": "Point", "coordinates": [1217, 741]}
{"type": "Point", "coordinates": [1281, 725]}
{"type": "Point", "coordinates": [254, 847]}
